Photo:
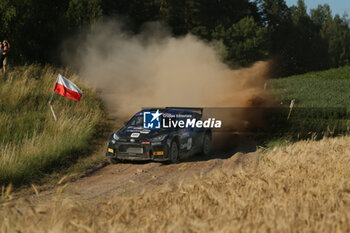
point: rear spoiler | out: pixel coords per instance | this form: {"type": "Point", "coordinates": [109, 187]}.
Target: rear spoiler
{"type": "Point", "coordinates": [200, 110]}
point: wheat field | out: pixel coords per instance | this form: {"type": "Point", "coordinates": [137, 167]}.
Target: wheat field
{"type": "Point", "coordinates": [303, 187]}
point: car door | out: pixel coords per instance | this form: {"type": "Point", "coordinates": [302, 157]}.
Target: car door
{"type": "Point", "coordinates": [185, 140]}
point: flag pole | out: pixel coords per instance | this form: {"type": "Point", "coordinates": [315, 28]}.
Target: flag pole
{"type": "Point", "coordinates": [50, 101]}
{"type": "Point", "coordinates": [50, 105]}
{"type": "Point", "coordinates": [291, 108]}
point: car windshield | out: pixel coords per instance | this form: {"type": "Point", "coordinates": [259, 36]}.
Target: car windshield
{"type": "Point", "coordinates": [136, 121]}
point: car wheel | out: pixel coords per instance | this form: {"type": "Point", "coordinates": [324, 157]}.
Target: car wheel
{"type": "Point", "coordinates": [114, 160]}
{"type": "Point", "coordinates": [174, 152]}
{"type": "Point", "coordinates": [206, 147]}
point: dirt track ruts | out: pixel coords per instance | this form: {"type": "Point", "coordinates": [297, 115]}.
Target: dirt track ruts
{"type": "Point", "coordinates": [129, 178]}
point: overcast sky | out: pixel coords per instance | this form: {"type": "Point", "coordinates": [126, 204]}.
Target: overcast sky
{"type": "Point", "coordinates": [338, 6]}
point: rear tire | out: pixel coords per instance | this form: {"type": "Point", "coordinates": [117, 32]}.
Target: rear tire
{"type": "Point", "coordinates": [207, 143]}
{"type": "Point", "coordinates": [114, 160]}
{"type": "Point", "coordinates": [174, 152]}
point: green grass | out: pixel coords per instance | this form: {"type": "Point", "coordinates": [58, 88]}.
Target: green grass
{"type": "Point", "coordinates": [31, 142]}
{"type": "Point", "coordinates": [322, 106]}
{"type": "Point", "coordinates": [329, 88]}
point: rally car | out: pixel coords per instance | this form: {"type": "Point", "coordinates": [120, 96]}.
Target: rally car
{"type": "Point", "coordinates": [171, 142]}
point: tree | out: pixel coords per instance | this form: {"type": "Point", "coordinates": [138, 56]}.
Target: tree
{"type": "Point", "coordinates": [82, 13]}
{"type": "Point", "coordinates": [34, 28]}
{"type": "Point", "coordinates": [334, 30]}
{"type": "Point", "coordinates": [276, 16]}
{"type": "Point", "coordinates": [8, 14]}
{"type": "Point", "coordinates": [250, 30]}
{"type": "Point", "coordinates": [245, 41]}
{"type": "Point", "coordinates": [275, 13]}
{"type": "Point", "coordinates": [321, 15]}
{"type": "Point", "coordinates": [337, 32]}
{"type": "Point", "coordinates": [307, 50]}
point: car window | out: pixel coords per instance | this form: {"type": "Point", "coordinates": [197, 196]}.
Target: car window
{"type": "Point", "coordinates": [136, 121]}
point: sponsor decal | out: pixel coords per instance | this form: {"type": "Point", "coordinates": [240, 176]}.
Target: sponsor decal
{"type": "Point", "coordinates": [145, 131]}
{"type": "Point", "coordinates": [134, 129]}
{"type": "Point", "coordinates": [135, 135]}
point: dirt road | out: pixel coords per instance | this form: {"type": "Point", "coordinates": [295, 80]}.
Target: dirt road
{"type": "Point", "coordinates": [128, 178]}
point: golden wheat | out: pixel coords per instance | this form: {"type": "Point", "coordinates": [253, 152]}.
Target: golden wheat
{"type": "Point", "coordinates": [304, 187]}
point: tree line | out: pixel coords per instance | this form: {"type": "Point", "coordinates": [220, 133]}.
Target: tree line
{"type": "Point", "coordinates": [297, 39]}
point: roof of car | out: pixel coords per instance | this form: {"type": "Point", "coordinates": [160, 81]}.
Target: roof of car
{"type": "Point", "coordinates": [168, 110]}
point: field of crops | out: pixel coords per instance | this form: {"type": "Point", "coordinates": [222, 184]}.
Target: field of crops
{"type": "Point", "coordinates": [31, 142]}
{"type": "Point", "coordinates": [303, 187]}
{"type": "Point", "coordinates": [322, 106]}
{"type": "Point", "coordinates": [321, 89]}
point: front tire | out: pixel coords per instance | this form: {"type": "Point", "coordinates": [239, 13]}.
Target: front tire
{"type": "Point", "coordinates": [114, 160]}
{"type": "Point", "coordinates": [174, 152]}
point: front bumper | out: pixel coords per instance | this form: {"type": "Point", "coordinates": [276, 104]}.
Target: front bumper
{"type": "Point", "coordinates": [138, 151]}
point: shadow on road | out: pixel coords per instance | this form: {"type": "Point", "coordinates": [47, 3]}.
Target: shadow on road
{"type": "Point", "coordinates": [224, 147]}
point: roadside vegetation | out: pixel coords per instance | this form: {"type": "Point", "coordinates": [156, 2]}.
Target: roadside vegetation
{"type": "Point", "coordinates": [322, 106]}
{"type": "Point", "coordinates": [31, 142]}
{"type": "Point", "coordinates": [303, 187]}
{"type": "Point", "coordinates": [322, 89]}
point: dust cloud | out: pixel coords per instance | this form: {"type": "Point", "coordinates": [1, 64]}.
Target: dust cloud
{"type": "Point", "coordinates": [154, 69]}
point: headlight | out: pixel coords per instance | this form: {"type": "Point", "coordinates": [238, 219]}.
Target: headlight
{"type": "Point", "coordinates": [159, 138]}
{"type": "Point", "coordinates": [115, 136]}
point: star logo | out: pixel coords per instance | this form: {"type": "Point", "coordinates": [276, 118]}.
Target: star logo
{"type": "Point", "coordinates": [156, 115]}
{"type": "Point", "coordinates": [151, 120]}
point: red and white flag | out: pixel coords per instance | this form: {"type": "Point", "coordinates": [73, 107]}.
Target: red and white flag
{"type": "Point", "coordinates": [68, 89]}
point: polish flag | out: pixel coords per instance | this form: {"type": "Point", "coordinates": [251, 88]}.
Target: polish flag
{"type": "Point", "coordinates": [68, 89]}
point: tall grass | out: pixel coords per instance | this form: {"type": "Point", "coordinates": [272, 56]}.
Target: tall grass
{"type": "Point", "coordinates": [303, 187]}
{"type": "Point", "coordinates": [31, 142]}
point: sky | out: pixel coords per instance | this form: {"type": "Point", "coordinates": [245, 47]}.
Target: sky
{"type": "Point", "coordinates": [337, 6]}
